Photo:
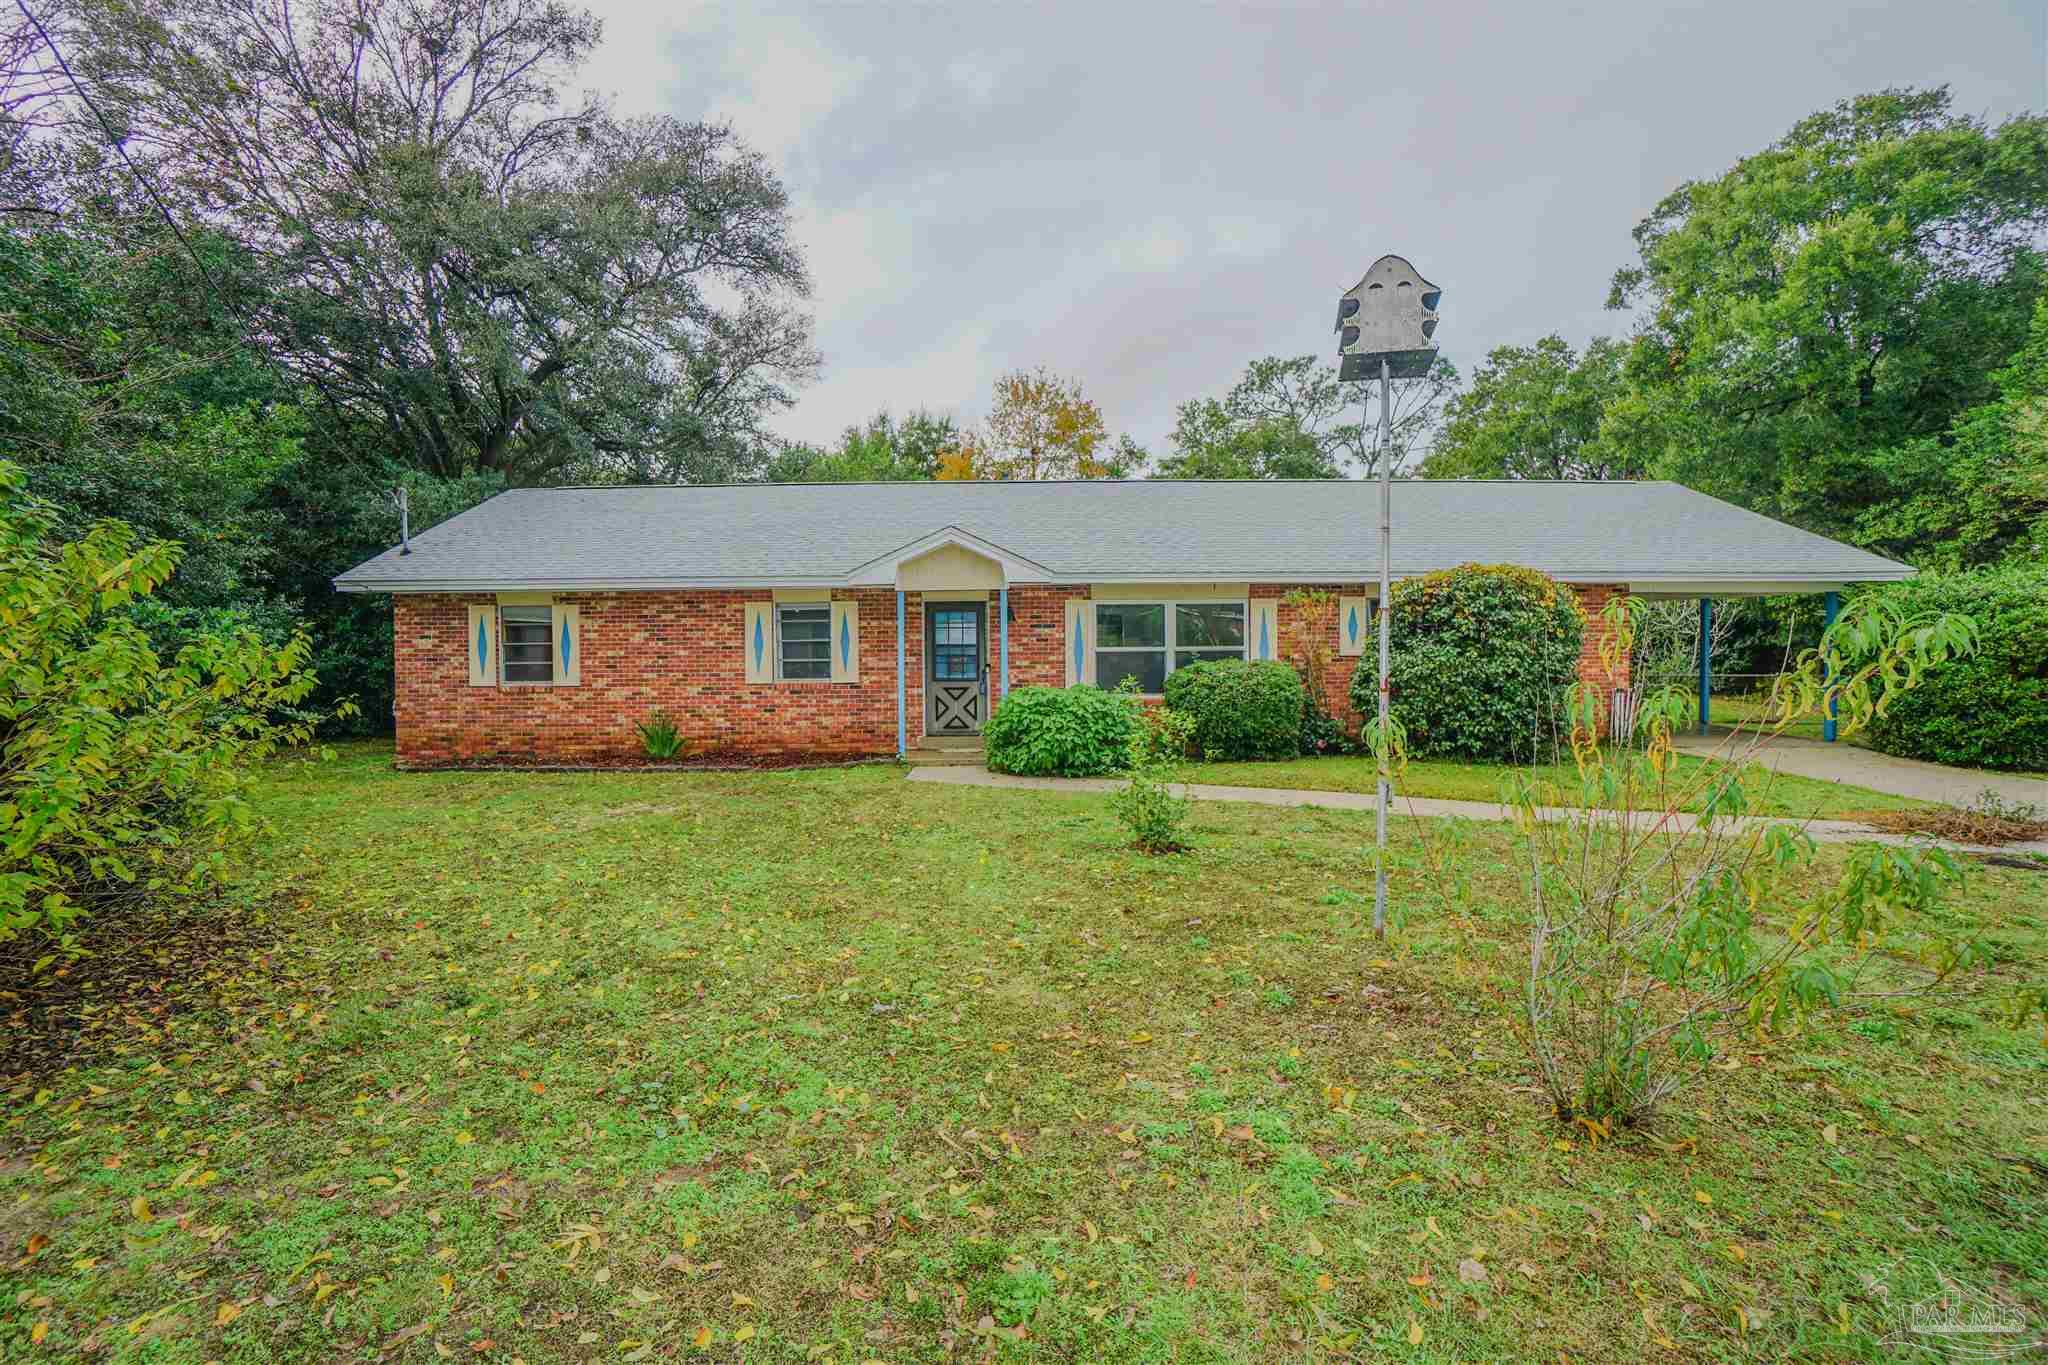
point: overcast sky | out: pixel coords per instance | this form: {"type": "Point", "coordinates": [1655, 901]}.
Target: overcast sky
{"type": "Point", "coordinates": [1146, 197]}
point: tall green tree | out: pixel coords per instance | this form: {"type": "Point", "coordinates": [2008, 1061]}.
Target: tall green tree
{"type": "Point", "coordinates": [882, 450]}
{"type": "Point", "coordinates": [1535, 412]}
{"type": "Point", "coordinates": [503, 281]}
{"type": "Point", "coordinates": [1209, 442]}
{"type": "Point", "coordinates": [1837, 297]}
{"type": "Point", "coordinates": [1290, 418]}
{"type": "Point", "coordinates": [1978, 493]}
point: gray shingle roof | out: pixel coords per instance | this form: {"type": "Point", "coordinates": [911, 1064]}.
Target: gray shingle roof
{"type": "Point", "coordinates": [764, 535]}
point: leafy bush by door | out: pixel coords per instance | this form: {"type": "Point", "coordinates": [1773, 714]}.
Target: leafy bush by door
{"type": "Point", "coordinates": [1239, 709]}
{"type": "Point", "coordinates": [1482, 655]}
{"type": "Point", "coordinates": [1061, 732]}
{"type": "Point", "coordinates": [1988, 709]}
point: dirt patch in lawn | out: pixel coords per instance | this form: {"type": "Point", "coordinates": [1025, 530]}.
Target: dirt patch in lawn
{"type": "Point", "coordinates": [138, 972]}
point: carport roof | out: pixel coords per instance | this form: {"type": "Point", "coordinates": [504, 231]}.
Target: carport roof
{"type": "Point", "coordinates": [1654, 536]}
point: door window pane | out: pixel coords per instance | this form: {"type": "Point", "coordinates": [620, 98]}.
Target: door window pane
{"type": "Point", "coordinates": [956, 645]}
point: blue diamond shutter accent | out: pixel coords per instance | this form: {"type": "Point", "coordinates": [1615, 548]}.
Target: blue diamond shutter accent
{"type": "Point", "coordinates": [1265, 641]}
{"type": "Point", "coordinates": [1351, 625]}
{"type": "Point", "coordinates": [760, 643]}
{"type": "Point", "coordinates": [1079, 674]}
{"type": "Point", "coordinates": [483, 644]}
{"type": "Point", "coordinates": [845, 644]}
{"type": "Point", "coordinates": [565, 644]}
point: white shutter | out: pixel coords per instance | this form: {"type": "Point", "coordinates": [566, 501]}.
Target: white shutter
{"type": "Point", "coordinates": [568, 645]}
{"type": "Point", "coordinates": [1354, 624]}
{"type": "Point", "coordinates": [760, 642]}
{"type": "Point", "coordinates": [1078, 648]}
{"type": "Point", "coordinates": [481, 644]}
{"type": "Point", "coordinates": [846, 642]}
{"type": "Point", "coordinates": [1262, 631]}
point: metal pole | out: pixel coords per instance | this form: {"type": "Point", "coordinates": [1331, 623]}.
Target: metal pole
{"type": "Point", "coordinates": [1832, 604]}
{"type": "Point", "coordinates": [899, 674]}
{"type": "Point", "coordinates": [1706, 660]}
{"type": "Point", "coordinates": [1379, 888]}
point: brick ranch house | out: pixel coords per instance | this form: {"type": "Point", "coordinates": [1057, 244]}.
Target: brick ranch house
{"type": "Point", "coordinates": [852, 619]}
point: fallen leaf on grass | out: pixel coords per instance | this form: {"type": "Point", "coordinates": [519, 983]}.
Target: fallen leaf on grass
{"type": "Point", "coordinates": [1471, 1272]}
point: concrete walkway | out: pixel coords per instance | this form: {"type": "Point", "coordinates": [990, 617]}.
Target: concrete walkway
{"type": "Point", "coordinates": [1823, 831]}
{"type": "Point", "coordinates": [1861, 767]}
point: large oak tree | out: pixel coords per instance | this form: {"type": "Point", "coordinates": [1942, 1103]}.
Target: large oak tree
{"type": "Point", "coordinates": [507, 281]}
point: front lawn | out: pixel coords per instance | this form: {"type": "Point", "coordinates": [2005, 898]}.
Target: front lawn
{"type": "Point", "coordinates": [833, 1066]}
{"type": "Point", "coordinates": [1770, 793]}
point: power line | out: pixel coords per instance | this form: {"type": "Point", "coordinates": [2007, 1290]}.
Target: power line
{"type": "Point", "coordinates": [136, 171]}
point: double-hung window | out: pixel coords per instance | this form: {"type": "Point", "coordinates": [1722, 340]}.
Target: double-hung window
{"type": "Point", "coordinates": [803, 642]}
{"type": "Point", "coordinates": [1148, 640]}
{"type": "Point", "coordinates": [529, 652]}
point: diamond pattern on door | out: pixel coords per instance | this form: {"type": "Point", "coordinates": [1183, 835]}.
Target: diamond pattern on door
{"type": "Point", "coordinates": [956, 707]}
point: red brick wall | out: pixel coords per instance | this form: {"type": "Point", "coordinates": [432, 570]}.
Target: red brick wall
{"type": "Point", "coordinates": [1038, 637]}
{"type": "Point", "coordinates": [684, 653]}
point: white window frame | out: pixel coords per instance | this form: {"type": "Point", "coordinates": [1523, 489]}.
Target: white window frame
{"type": "Point", "coordinates": [780, 608]}
{"type": "Point", "coordinates": [504, 640]}
{"type": "Point", "coordinates": [1172, 646]}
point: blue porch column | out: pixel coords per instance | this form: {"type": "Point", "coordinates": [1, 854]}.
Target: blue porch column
{"type": "Point", "coordinates": [1706, 660]}
{"type": "Point", "coordinates": [1827, 726]}
{"type": "Point", "coordinates": [1003, 633]}
{"type": "Point", "coordinates": [900, 724]}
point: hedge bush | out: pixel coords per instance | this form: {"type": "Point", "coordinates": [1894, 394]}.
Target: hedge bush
{"type": "Point", "coordinates": [1988, 709]}
{"type": "Point", "coordinates": [1482, 656]}
{"type": "Point", "coordinates": [1239, 709]}
{"type": "Point", "coordinates": [1061, 732]}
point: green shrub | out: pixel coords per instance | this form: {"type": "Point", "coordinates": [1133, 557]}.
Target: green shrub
{"type": "Point", "coordinates": [123, 775]}
{"type": "Point", "coordinates": [1147, 805]}
{"type": "Point", "coordinates": [1984, 710]}
{"type": "Point", "coordinates": [1240, 709]}
{"type": "Point", "coordinates": [1482, 655]}
{"type": "Point", "coordinates": [659, 735]}
{"type": "Point", "coordinates": [1061, 732]}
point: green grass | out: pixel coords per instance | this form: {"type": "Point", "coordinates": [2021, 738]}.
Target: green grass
{"type": "Point", "coordinates": [1751, 711]}
{"type": "Point", "coordinates": [1771, 793]}
{"type": "Point", "coordinates": [594, 1066]}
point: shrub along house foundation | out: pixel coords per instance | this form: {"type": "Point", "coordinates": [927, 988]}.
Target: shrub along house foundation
{"type": "Point", "coordinates": [871, 619]}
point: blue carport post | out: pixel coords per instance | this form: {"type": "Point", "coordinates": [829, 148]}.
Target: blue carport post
{"type": "Point", "coordinates": [1706, 659]}
{"type": "Point", "coordinates": [899, 673]}
{"type": "Point", "coordinates": [1003, 630]}
{"type": "Point", "coordinates": [1827, 726]}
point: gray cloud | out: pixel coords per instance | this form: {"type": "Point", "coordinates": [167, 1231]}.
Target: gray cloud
{"type": "Point", "coordinates": [1148, 196]}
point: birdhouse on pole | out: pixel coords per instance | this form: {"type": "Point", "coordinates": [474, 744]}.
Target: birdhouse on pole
{"type": "Point", "coordinates": [1389, 315]}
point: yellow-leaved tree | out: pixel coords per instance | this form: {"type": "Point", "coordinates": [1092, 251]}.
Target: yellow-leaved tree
{"type": "Point", "coordinates": [1040, 426]}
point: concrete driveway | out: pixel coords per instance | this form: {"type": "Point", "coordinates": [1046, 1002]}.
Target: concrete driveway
{"type": "Point", "coordinates": [1861, 767]}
